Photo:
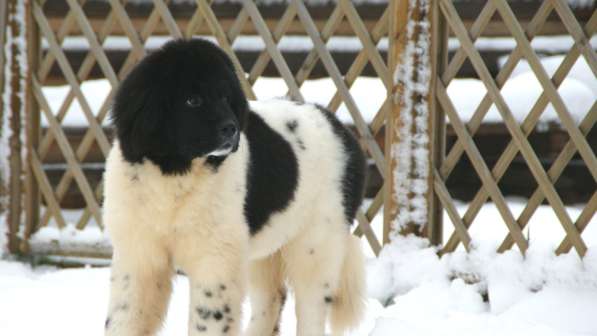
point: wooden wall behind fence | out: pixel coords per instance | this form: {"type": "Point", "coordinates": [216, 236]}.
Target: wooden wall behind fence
{"type": "Point", "coordinates": [63, 165]}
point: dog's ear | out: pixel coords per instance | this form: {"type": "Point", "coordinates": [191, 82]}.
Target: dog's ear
{"type": "Point", "coordinates": [238, 103]}
{"type": "Point", "coordinates": [136, 115]}
{"type": "Point", "coordinates": [238, 100]}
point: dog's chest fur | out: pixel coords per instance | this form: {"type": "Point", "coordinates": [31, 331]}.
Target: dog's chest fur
{"type": "Point", "coordinates": [171, 208]}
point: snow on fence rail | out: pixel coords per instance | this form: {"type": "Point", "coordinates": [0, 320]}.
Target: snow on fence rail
{"type": "Point", "coordinates": [377, 34]}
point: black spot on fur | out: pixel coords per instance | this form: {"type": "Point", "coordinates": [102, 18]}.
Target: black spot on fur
{"type": "Point", "coordinates": [107, 323]}
{"type": "Point", "coordinates": [311, 251]}
{"type": "Point", "coordinates": [218, 315]}
{"type": "Point", "coordinates": [291, 125]}
{"type": "Point", "coordinates": [208, 293]}
{"type": "Point", "coordinates": [222, 287]}
{"type": "Point", "coordinates": [226, 329]}
{"type": "Point", "coordinates": [204, 313]}
{"type": "Point", "coordinates": [151, 115]}
{"type": "Point", "coordinates": [201, 328]}
{"type": "Point", "coordinates": [328, 299]}
{"type": "Point", "coordinates": [301, 144]}
{"type": "Point", "coordinates": [226, 309]}
{"type": "Point", "coordinates": [272, 174]}
{"type": "Point", "coordinates": [353, 179]}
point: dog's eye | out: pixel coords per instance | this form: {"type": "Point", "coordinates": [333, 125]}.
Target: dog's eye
{"type": "Point", "coordinates": [194, 101]}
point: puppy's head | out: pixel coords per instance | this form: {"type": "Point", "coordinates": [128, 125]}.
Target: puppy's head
{"type": "Point", "coordinates": [179, 103]}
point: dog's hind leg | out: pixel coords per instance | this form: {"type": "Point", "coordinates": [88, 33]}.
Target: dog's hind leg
{"type": "Point", "coordinates": [313, 264]}
{"type": "Point", "coordinates": [140, 290]}
{"type": "Point", "coordinates": [267, 293]}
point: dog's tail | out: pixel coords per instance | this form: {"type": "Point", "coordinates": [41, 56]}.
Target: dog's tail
{"type": "Point", "coordinates": [349, 304]}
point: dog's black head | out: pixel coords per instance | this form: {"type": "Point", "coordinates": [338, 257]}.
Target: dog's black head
{"type": "Point", "coordinates": [179, 103]}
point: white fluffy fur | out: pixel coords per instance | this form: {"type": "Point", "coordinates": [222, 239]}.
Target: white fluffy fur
{"type": "Point", "coordinates": [196, 223]}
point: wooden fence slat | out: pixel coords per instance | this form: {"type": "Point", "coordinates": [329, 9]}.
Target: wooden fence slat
{"type": "Point", "coordinates": [196, 21]}
{"type": "Point", "coordinates": [88, 138]}
{"type": "Point", "coordinates": [32, 127]}
{"type": "Point", "coordinates": [225, 44]}
{"type": "Point", "coordinates": [65, 27]}
{"type": "Point", "coordinates": [581, 223]}
{"type": "Point", "coordinates": [365, 227]}
{"type": "Point", "coordinates": [82, 74]}
{"type": "Point", "coordinates": [167, 18]}
{"type": "Point", "coordinates": [96, 48]}
{"type": "Point", "coordinates": [71, 78]}
{"type": "Point", "coordinates": [371, 211]}
{"type": "Point", "coordinates": [448, 203]}
{"type": "Point", "coordinates": [556, 100]}
{"type": "Point", "coordinates": [359, 63]}
{"type": "Point", "coordinates": [368, 45]}
{"type": "Point", "coordinates": [127, 25]}
{"type": "Point", "coordinates": [46, 189]}
{"type": "Point", "coordinates": [264, 57]}
{"type": "Point", "coordinates": [482, 20]}
{"type": "Point", "coordinates": [326, 33]}
{"type": "Point", "coordinates": [272, 48]}
{"type": "Point", "coordinates": [437, 123]}
{"type": "Point", "coordinates": [473, 125]}
{"type": "Point", "coordinates": [67, 151]}
{"type": "Point", "coordinates": [554, 172]}
{"type": "Point", "coordinates": [332, 69]}
{"type": "Point", "coordinates": [524, 147]}
{"type": "Point", "coordinates": [577, 33]}
{"type": "Point", "coordinates": [511, 150]}
{"type": "Point", "coordinates": [481, 168]}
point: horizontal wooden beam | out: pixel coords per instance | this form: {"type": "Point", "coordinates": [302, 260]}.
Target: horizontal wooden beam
{"type": "Point", "coordinates": [182, 12]}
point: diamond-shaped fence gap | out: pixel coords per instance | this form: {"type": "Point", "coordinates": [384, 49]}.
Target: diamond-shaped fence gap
{"type": "Point", "coordinates": [463, 182]}
{"type": "Point", "coordinates": [117, 48]}
{"type": "Point", "coordinates": [466, 95]}
{"type": "Point", "coordinates": [488, 225]}
{"type": "Point", "coordinates": [268, 88]}
{"type": "Point", "coordinates": [576, 185]}
{"type": "Point", "coordinates": [369, 94]}
{"type": "Point", "coordinates": [96, 92]}
{"type": "Point", "coordinates": [56, 97]}
{"type": "Point", "coordinates": [544, 228]}
{"type": "Point", "coordinates": [517, 178]}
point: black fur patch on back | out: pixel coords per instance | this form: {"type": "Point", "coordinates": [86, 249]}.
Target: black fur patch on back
{"type": "Point", "coordinates": [272, 173]}
{"type": "Point", "coordinates": [353, 180]}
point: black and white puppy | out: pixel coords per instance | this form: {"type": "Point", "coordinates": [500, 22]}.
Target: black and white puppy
{"type": "Point", "coordinates": [233, 195]}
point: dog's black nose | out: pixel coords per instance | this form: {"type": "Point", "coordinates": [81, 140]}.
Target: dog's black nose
{"type": "Point", "coordinates": [228, 130]}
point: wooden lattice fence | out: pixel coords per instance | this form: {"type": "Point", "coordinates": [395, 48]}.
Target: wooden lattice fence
{"type": "Point", "coordinates": [95, 21]}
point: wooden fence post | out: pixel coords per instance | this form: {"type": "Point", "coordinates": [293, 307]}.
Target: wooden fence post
{"type": "Point", "coordinates": [13, 105]}
{"type": "Point", "coordinates": [437, 121]}
{"type": "Point", "coordinates": [4, 166]}
{"type": "Point", "coordinates": [33, 129]}
{"type": "Point", "coordinates": [409, 155]}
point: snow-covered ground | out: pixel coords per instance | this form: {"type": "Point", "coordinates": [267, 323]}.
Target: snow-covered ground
{"type": "Point", "coordinates": [481, 293]}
